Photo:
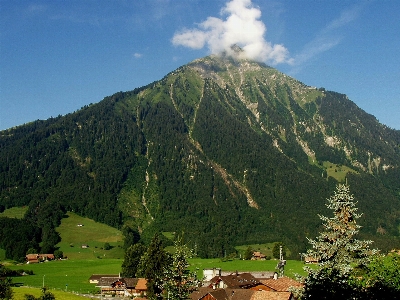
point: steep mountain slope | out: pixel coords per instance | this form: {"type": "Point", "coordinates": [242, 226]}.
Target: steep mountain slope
{"type": "Point", "coordinates": [227, 151]}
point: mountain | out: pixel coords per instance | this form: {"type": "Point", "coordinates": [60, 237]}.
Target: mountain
{"type": "Point", "coordinates": [227, 151]}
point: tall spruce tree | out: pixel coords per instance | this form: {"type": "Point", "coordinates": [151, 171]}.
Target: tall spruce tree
{"type": "Point", "coordinates": [337, 251]}
{"type": "Point", "coordinates": [179, 282]}
{"type": "Point", "coordinates": [152, 265]}
{"type": "Point", "coordinates": [132, 259]}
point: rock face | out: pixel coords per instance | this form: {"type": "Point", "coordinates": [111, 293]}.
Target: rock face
{"type": "Point", "coordinates": [227, 151]}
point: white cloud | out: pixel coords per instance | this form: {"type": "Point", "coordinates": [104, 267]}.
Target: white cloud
{"type": "Point", "coordinates": [242, 27]}
{"type": "Point", "coordinates": [137, 55]}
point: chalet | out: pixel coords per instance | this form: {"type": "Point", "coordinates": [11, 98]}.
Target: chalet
{"type": "Point", "coordinates": [239, 294]}
{"type": "Point", "coordinates": [257, 255]}
{"type": "Point", "coordinates": [235, 280]}
{"type": "Point", "coordinates": [96, 277]}
{"type": "Point", "coordinates": [36, 258]}
{"type": "Point", "coordinates": [117, 286]}
{"type": "Point", "coordinates": [32, 258]}
{"type": "Point", "coordinates": [246, 286]}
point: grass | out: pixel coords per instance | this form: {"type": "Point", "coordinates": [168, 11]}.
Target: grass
{"type": "Point", "coordinates": [2, 254]}
{"type": "Point", "coordinates": [91, 233]}
{"type": "Point", "coordinates": [265, 249]}
{"type": "Point", "coordinates": [292, 266]}
{"type": "Point", "coordinates": [74, 273]}
{"type": "Point", "coordinates": [14, 212]}
{"type": "Point", "coordinates": [338, 172]}
{"type": "Point", "coordinates": [19, 293]}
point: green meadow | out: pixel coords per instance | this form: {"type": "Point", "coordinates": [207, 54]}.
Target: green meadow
{"type": "Point", "coordinates": [73, 275]}
{"type": "Point", "coordinates": [338, 172]}
{"type": "Point", "coordinates": [20, 292]}
{"type": "Point", "coordinates": [14, 212]}
{"type": "Point", "coordinates": [68, 277]}
{"type": "Point", "coordinates": [91, 233]}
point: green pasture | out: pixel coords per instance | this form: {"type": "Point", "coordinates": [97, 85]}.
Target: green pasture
{"type": "Point", "coordinates": [265, 249]}
{"type": "Point", "coordinates": [70, 275]}
{"type": "Point", "coordinates": [292, 268]}
{"type": "Point", "coordinates": [73, 275]}
{"type": "Point", "coordinates": [20, 292]}
{"type": "Point", "coordinates": [338, 172]}
{"type": "Point", "coordinates": [14, 212]}
{"type": "Point", "coordinates": [93, 234]}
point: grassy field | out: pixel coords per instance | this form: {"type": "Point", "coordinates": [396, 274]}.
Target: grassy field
{"type": "Point", "coordinates": [19, 293]}
{"type": "Point", "coordinates": [292, 267]}
{"type": "Point", "coordinates": [14, 212]}
{"type": "Point", "coordinates": [265, 249]}
{"type": "Point", "coordinates": [93, 234]}
{"type": "Point", "coordinates": [337, 171]}
{"type": "Point", "coordinates": [73, 275]}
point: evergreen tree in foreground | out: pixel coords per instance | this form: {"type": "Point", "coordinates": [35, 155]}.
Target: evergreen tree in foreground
{"type": "Point", "coordinates": [152, 265]}
{"type": "Point", "coordinates": [132, 259]}
{"type": "Point", "coordinates": [179, 282]}
{"type": "Point", "coordinates": [338, 251]}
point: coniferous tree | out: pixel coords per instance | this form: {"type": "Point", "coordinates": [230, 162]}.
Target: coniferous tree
{"type": "Point", "coordinates": [179, 282]}
{"type": "Point", "coordinates": [5, 288]}
{"type": "Point", "coordinates": [152, 265]}
{"type": "Point", "coordinates": [132, 259]}
{"type": "Point", "coordinates": [337, 251]}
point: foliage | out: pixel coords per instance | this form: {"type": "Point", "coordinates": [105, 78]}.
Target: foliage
{"type": "Point", "coordinates": [132, 259]}
{"type": "Point", "coordinates": [152, 265]}
{"type": "Point", "coordinates": [381, 279]}
{"type": "Point", "coordinates": [337, 251]}
{"type": "Point", "coordinates": [329, 283]}
{"type": "Point", "coordinates": [5, 288]}
{"type": "Point", "coordinates": [276, 250]}
{"type": "Point", "coordinates": [336, 246]}
{"type": "Point", "coordinates": [248, 254]}
{"type": "Point", "coordinates": [131, 236]}
{"type": "Point", "coordinates": [46, 295]}
{"type": "Point", "coordinates": [178, 281]}
{"type": "Point", "coordinates": [58, 254]}
{"type": "Point", "coordinates": [17, 236]}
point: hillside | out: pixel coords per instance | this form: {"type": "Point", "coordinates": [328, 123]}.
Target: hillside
{"type": "Point", "coordinates": [228, 151]}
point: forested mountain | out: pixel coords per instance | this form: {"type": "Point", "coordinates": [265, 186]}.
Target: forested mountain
{"type": "Point", "coordinates": [228, 151]}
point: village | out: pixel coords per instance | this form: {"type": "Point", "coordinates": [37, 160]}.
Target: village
{"type": "Point", "coordinates": [216, 284]}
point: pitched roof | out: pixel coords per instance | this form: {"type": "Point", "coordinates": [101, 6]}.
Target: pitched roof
{"type": "Point", "coordinates": [98, 276]}
{"type": "Point", "coordinates": [200, 292]}
{"type": "Point", "coordinates": [107, 281]}
{"type": "Point", "coordinates": [281, 284]}
{"type": "Point", "coordinates": [236, 280]}
{"type": "Point", "coordinates": [219, 294]}
{"type": "Point", "coordinates": [267, 295]}
{"type": "Point", "coordinates": [240, 294]}
{"type": "Point", "coordinates": [130, 282]}
{"type": "Point", "coordinates": [32, 256]}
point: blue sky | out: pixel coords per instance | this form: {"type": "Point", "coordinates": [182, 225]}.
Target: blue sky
{"type": "Point", "coordinates": [57, 56]}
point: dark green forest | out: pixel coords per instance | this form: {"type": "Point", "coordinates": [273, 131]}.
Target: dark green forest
{"type": "Point", "coordinates": [201, 152]}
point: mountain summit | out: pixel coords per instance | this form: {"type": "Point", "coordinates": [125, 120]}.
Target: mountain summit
{"type": "Point", "coordinates": [228, 151]}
